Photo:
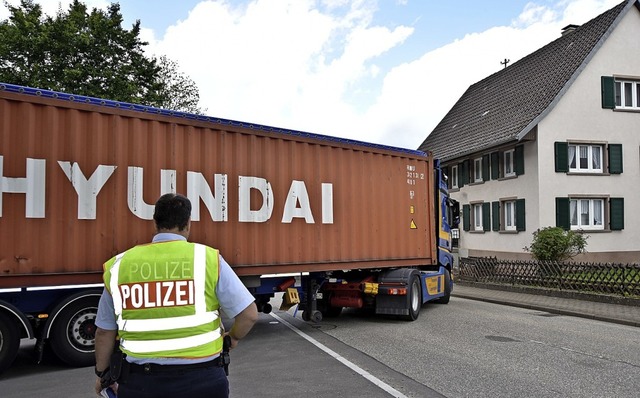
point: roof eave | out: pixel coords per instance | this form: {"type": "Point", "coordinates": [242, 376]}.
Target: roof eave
{"type": "Point", "coordinates": [477, 150]}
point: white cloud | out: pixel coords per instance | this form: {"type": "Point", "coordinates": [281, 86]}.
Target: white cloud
{"type": "Point", "coordinates": [534, 13]}
{"type": "Point", "coordinates": [282, 63]}
{"type": "Point", "coordinates": [306, 65]}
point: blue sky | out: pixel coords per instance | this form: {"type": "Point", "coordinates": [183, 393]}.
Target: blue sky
{"type": "Point", "coordinates": [384, 71]}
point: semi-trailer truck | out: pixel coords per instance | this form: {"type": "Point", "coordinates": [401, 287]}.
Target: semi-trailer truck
{"type": "Point", "coordinates": [330, 223]}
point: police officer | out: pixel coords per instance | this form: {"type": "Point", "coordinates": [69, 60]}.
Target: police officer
{"type": "Point", "coordinates": [162, 300]}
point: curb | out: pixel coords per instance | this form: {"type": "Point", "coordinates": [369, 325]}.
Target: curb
{"type": "Point", "coordinates": [600, 298]}
{"type": "Point", "coordinates": [609, 319]}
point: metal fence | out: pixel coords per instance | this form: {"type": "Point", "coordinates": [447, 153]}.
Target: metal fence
{"type": "Point", "coordinates": [600, 278]}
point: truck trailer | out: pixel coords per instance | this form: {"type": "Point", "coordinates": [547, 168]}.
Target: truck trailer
{"type": "Point", "coordinates": [329, 223]}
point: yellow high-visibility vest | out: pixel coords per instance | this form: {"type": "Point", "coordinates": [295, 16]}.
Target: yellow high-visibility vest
{"type": "Point", "coordinates": [165, 300]}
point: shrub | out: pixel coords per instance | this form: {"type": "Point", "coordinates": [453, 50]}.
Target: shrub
{"type": "Point", "coordinates": [556, 244]}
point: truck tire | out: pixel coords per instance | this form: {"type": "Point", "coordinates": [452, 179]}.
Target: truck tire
{"type": "Point", "coordinates": [313, 316]}
{"type": "Point", "coordinates": [9, 342]}
{"type": "Point", "coordinates": [447, 289]}
{"type": "Point", "coordinates": [73, 333]}
{"type": "Point", "coordinates": [414, 298]}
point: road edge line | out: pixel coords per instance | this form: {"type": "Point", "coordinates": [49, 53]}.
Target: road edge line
{"type": "Point", "coordinates": [379, 383]}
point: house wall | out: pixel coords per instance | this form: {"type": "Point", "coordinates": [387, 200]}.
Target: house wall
{"type": "Point", "coordinates": [579, 116]}
{"type": "Point", "coordinates": [503, 244]}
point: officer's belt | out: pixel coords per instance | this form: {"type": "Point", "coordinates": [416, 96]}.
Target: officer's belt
{"type": "Point", "coordinates": [149, 368]}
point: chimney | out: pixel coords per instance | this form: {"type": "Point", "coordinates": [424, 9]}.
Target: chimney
{"type": "Point", "coordinates": [568, 29]}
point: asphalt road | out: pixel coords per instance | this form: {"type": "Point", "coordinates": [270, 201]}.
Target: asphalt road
{"type": "Point", "coordinates": [476, 349]}
{"type": "Point", "coordinates": [463, 349]}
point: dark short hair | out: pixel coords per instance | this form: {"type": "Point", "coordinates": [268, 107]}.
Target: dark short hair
{"type": "Point", "coordinates": [172, 210]}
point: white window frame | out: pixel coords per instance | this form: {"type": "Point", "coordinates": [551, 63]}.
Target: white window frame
{"type": "Point", "coordinates": [627, 94]}
{"type": "Point", "coordinates": [509, 215]}
{"type": "Point", "coordinates": [576, 152]}
{"type": "Point", "coordinates": [477, 170]}
{"type": "Point", "coordinates": [592, 208]}
{"type": "Point", "coordinates": [508, 165]}
{"type": "Point", "coordinates": [454, 176]}
{"type": "Point", "coordinates": [477, 217]}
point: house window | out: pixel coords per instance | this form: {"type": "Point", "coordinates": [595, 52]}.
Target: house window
{"type": "Point", "coordinates": [454, 176]}
{"type": "Point", "coordinates": [477, 217]}
{"type": "Point", "coordinates": [477, 170]}
{"type": "Point", "coordinates": [509, 215]}
{"type": "Point", "coordinates": [590, 213]}
{"type": "Point", "coordinates": [586, 213]}
{"type": "Point", "coordinates": [588, 158]}
{"type": "Point", "coordinates": [585, 158]}
{"type": "Point", "coordinates": [508, 163]}
{"type": "Point", "coordinates": [627, 94]}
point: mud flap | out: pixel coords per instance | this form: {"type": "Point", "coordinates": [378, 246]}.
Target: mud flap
{"type": "Point", "coordinates": [388, 304]}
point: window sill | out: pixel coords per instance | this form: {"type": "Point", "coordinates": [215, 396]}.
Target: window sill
{"type": "Point", "coordinates": [592, 231]}
{"type": "Point", "coordinates": [476, 183]}
{"type": "Point", "coordinates": [477, 232]}
{"type": "Point", "coordinates": [507, 232]}
{"type": "Point", "coordinates": [510, 177]}
{"type": "Point", "coordinates": [582, 173]}
{"type": "Point", "coordinates": [632, 110]}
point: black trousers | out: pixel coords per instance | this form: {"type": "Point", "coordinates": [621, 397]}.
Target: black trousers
{"type": "Point", "coordinates": [210, 382]}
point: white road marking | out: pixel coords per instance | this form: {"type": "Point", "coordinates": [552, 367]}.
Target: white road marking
{"type": "Point", "coordinates": [392, 391]}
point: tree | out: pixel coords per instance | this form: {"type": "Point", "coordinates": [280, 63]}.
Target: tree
{"type": "Point", "coordinates": [178, 91]}
{"type": "Point", "coordinates": [556, 244]}
{"type": "Point", "coordinates": [85, 53]}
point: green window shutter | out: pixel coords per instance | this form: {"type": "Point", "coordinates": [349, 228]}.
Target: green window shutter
{"type": "Point", "coordinates": [485, 168]}
{"type": "Point", "coordinates": [615, 158]}
{"type": "Point", "coordinates": [495, 165]}
{"type": "Point", "coordinates": [608, 92]}
{"type": "Point", "coordinates": [562, 157]}
{"type": "Point", "coordinates": [616, 212]}
{"type": "Point", "coordinates": [520, 215]}
{"type": "Point", "coordinates": [466, 217]}
{"type": "Point", "coordinates": [562, 213]}
{"type": "Point", "coordinates": [464, 178]}
{"type": "Point", "coordinates": [495, 216]}
{"type": "Point", "coordinates": [486, 216]}
{"type": "Point", "coordinates": [519, 160]}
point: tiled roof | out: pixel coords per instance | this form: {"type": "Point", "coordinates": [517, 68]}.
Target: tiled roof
{"type": "Point", "coordinates": [505, 106]}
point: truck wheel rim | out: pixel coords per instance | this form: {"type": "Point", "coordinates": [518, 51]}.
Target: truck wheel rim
{"type": "Point", "coordinates": [81, 331]}
{"type": "Point", "coordinates": [415, 298]}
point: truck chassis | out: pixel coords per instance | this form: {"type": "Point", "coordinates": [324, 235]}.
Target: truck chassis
{"type": "Point", "coordinates": [399, 292]}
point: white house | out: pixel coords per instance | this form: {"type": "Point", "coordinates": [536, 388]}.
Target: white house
{"type": "Point", "coordinates": [552, 140]}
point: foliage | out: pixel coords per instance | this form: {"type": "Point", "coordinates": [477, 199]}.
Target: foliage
{"type": "Point", "coordinates": [85, 53]}
{"type": "Point", "coordinates": [556, 244]}
{"type": "Point", "coordinates": [177, 92]}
